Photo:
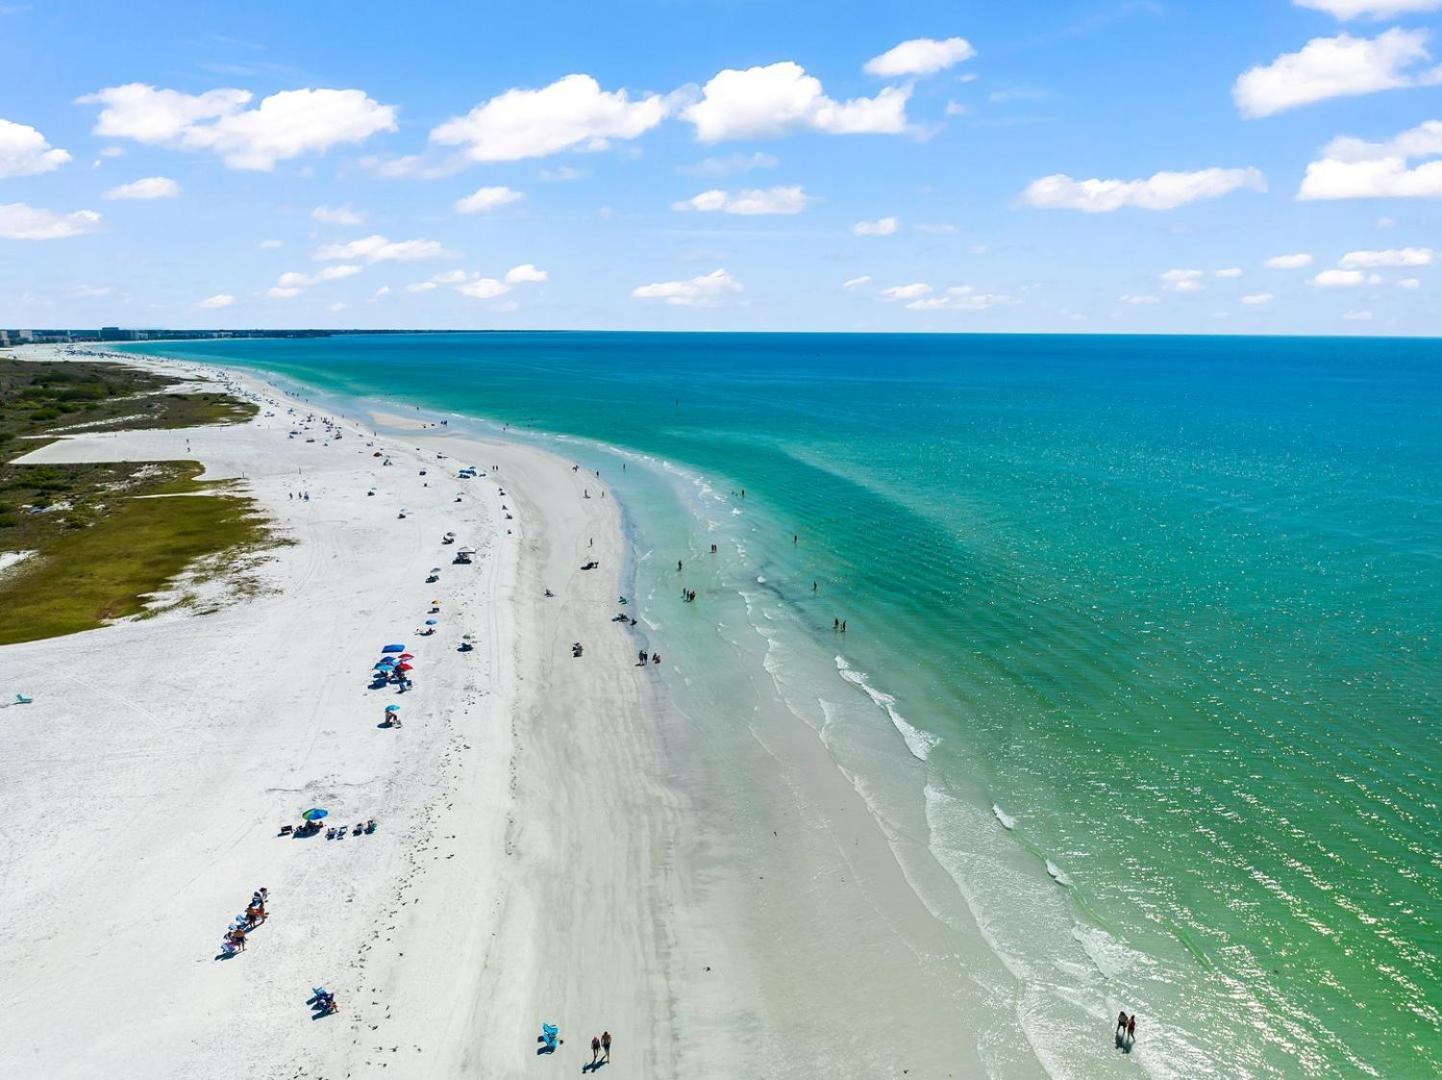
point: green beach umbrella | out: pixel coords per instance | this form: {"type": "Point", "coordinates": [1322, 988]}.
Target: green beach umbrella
{"type": "Point", "coordinates": [315, 813]}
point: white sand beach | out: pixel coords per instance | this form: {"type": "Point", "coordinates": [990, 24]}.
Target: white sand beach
{"type": "Point", "coordinates": [521, 867]}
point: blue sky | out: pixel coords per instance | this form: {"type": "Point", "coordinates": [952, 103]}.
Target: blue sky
{"type": "Point", "coordinates": [1231, 166]}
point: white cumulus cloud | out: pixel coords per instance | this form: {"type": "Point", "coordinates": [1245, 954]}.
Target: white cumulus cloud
{"type": "Point", "coordinates": [856, 282]}
{"type": "Point", "coordinates": [150, 187]}
{"type": "Point", "coordinates": [1409, 283]}
{"type": "Point", "coordinates": [1161, 191]}
{"type": "Point", "coordinates": [483, 288]}
{"type": "Point", "coordinates": [485, 199]}
{"type": "Point", "coordinates": [24, 151]}
{"type": "Point", "coordinates": [1228, 272]}
{"type": "Point", "coordinates": [377, 248]}
{"type": "Point", "coordinates": [920, 56]}
{"type": "Point", "coordinates": [292, 282]}
{"type": "Point", "coordinates": [1357, 169]}
{"type": "Point", "coordinates": [524, 274]}
{"type": "Point", "coordinates": [1183, 281]}
{"type": "Point", "coordinates": [1258, 299]}
{"type": "Point", "coordinates": [282, 126]}
{"type": "Point", "coordinates": [707, 290]}
{"type": "Point", "coordinates": [886, 226]}
{"type": "Point", "coordinates": [1343, 66]}
{"type": "Point", "coordinates": [960, 298]}
{"type": "Point", "coordinates": [219, 300]}
{"type": "Point", "coordinates": [1295, 261]}
{"type": "Point", "coordinates": [749, 201]}
{"type": "Point", "coordinates": [571, 113]}
{"type": "Point", "coordinates": [1370, 9]}
{"type": "Point", "coordinates": [337, 215]}
{"type": "Point", "coordinates": [1342, 279]}
{"type": "Point", "coordinates": [914, 291]}
{"type": "Point", "coordinates": [1367, 260]}
{"type": "Point", "coordinates": [771, 101]}
{"type": "Point", "coordinates": [21, 222]}
{"type": "Point", "coordinates": [1140, 298]}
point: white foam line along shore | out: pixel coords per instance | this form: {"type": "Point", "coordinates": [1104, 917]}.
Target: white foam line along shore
{"type": "Point", "coordinates": [520, 870]}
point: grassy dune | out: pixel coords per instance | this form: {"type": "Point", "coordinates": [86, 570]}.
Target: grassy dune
{"type": "Point", "coordinates": [105, 536]}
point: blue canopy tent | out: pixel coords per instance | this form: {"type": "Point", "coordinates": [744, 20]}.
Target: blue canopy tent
{"type": "Point", "coordinates": [394, 648]}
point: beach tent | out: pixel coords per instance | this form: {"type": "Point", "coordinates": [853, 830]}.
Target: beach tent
{"type": "Point", "coordinates": [394, 648]}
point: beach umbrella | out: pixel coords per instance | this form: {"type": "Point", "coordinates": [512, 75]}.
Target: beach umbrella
{"type": "Point", "coordinates": [315, 813]}
{"type": "Point", "coordinates": [383, 665]}
{"type": "Point", "coordinates": [389, 709]}
{"type": "Point", "coordinates": [403, 667]}
{"type": "Point", "coordinates": [467, 637]}
{"type": "Point", "coordinates": [408, 656]}
{"type": "Point", "coordinates": [394, 648]}
{"type": "Point", "coordinates": [435, 569]}
{"type": "Point", "coordinates": [430, 622]}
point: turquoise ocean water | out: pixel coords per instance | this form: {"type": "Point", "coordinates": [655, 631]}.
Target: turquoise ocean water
{"type": "Point", "coordinates": [1143, 671]}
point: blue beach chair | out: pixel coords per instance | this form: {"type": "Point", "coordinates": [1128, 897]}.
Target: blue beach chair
{"type": "Point", "coordinates": [549, 1037]}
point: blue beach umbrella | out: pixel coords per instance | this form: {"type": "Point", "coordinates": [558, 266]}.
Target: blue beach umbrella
{"type": "Point", "coordinates": [393, 708]}
{"type": "Point", "coordinates": [394, 648]}
{"type": "Point", "coordinates": [315, 813]}
{"type": "Point", "coordinates": [430, 622]}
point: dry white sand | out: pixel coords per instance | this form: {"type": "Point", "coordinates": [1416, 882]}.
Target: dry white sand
{"type": "Point", "coordinates": [522, 867]}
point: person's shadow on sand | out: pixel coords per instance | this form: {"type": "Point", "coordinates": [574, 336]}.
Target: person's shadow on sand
{"type": "Point", "coordinates": [593, 1066]}
{"type": "Point", "coordinates": [1124, 1044]}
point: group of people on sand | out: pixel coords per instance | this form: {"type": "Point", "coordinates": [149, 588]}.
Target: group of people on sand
{"type": "Point", "coordinates": [600, 1044]}
{"type": "Point", "coordinates": [234, 940]}
{"type": "Point", "coordinates": [645, 657]}
{"type": "Point", "coordinates": [1126, 1029]}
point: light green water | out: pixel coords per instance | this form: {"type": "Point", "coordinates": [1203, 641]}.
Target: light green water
{"type": "Point", "coordinates": [1142, 663]}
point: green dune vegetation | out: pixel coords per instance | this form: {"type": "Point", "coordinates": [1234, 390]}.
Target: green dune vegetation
{"type": "Point", "coordinates": [104, 536]}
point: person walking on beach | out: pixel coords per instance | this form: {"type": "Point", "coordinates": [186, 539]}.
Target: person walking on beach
{"type": "Point", "coordinates": [606, 1044]}
{"type": "Point", "coordinates": [595, 1049]}
{"type": "Point", "coordinates": [1131, 1029]}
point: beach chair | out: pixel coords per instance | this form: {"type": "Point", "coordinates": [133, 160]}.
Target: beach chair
{"type": "Point", "coordinates": [549, 1037]}
{"type": "Point", "coordinates": [286, 830]}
